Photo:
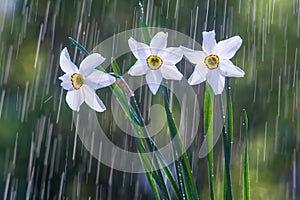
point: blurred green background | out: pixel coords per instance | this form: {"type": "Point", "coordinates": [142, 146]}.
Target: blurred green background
{"type": "Point", "coordinates": [36, 129]}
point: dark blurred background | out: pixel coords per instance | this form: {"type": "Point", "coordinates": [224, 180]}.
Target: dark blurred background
{"type": "Point", "coordinates": [36, 127]}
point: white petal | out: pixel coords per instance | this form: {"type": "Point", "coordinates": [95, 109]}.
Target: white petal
{"type": "Point", "coordinates": [209, 41]}
{"type": "Point", "coordinates": [229, 69]}
{"type": "Point", "coordinates": [140, 50]}
{"type": "Point", "coordinates": [199, 75]}
{"type": "Point", "coordinates": [194, 57]}
{"type": "Point", "coordinates": [153, 78]}
{"type": "Point", "coordinates": [170, 55]}
{"type": "Point", "coordinates": [65, 77]}
{"type": "Point", "coordinates": [159, 41]}
{"type": "Point", "coordinates": [74, 99]}
{"type": "Point", "coordinates": [65, 62]}
{"type": "Point", "coordinates": [170, 72]}
{"type": "Point", "coordinates": [66, 82]}
{"type": "Point", "coordinates": [227, 48]}
{"type": "Point", "coordinates": [67, 85]}
{"type": "Point", "coordinates": [138, 69]}
{"type": "Point", "coordinates": [98, 79]}
{"type": "Point", "coordinates": [92, 100]}
{"type": "Point", "coordinates": [90, 63]}
{"type": "Point", "coordinates": [216, 81]}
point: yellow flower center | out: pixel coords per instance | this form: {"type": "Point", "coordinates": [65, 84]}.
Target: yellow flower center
{"type": "Point", "coordinates": [77, 81]}
{"type": "Point", "coordinates": [212, 61]}
{"type": "Point", "coordinates": [154, 62]}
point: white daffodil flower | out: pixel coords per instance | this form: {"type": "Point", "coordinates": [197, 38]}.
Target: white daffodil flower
{"type": "Point", "coordinates": [81, 83]}
{"type": "Point", "coordinates": [156, 61]}
{"type": "Point", "coordinates": [213, 63]}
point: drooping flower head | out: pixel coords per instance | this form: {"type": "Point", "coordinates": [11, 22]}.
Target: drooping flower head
{"type": "Point", "coordinates": [213, 63]}
{"type": "Point", "coordinates": [157, 61]}
{"type": "Point", "coordinates": [81, 83]}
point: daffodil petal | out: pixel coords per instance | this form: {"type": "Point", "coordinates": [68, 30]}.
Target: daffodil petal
{"type": "Point", "coordinates": [66, 82]}
{"type": "Point", "coordinates": [170, 72]}
{"type": "Point", "coordinates": [170, 55]}
{"type": "Point", "coordinates": [98, 79]}
{"type": "Point", "coordinates": [138, 69]}
{"type": "Point", "coordinates": [159, 41]}
{"type": "Point", "coordinates": [226, 49]}
{"type": "Point", "coordinates": [194, 57]}
{"type": "Point", "coordinates": [153, 78]}
{"type": "Point", "coordinates": [67, 85]}
{"type": "Point", "coordinates": [209, 41]}
{"type": "Point", "coordinates": [65, 62]}
{"type": "Point", "coordinates": [74, 99]}
{"type": "Point", "coordinates": [92, 100]}
{"type": "Point", "coordinates": [227, 68]}
{"type": "Point", "coordinates": [199, 75]}
{"type": "Point", "coordinates": [90, 63]}
{"type": "Point", "coordinates": [65, 77]}
{"type": "Point", "coordinates": [140, 50]}
{"type": "Point", "coordinates": [216, 81]}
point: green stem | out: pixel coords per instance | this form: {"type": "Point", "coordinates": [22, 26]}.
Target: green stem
{"type": "Point", "coordinates": [229, 127]}
{"type": "Point", "coordinates": [227, 177]}
{"type": "Point", "coordinates": [208, 131]}
{"type": "Point", "coordinates": [190, 187]}
{"type": "Point", "coordinates": [79, 46]}
{"type": "Point", "coordinates": [145, 30]}
{"type": "Point", "coordinates": [227, 141]}
{"type": "Point", "coordinates": [115, 67]}
{"type": "Point", "coordinates": [144, 132]}
{"type": "Point", "coordinates": [154, 148]}
{"type": "Point", "coordinates": [246, 158]}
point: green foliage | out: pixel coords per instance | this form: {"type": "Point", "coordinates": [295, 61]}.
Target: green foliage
{"type": "Point", "coordinates": [208, 130]}
{"type": "Point", "coordinates": [246, 159]}
{"type": "Point", "coordinates": [227, 141]}
{"type": "Point", "coordinates": [270, 90]}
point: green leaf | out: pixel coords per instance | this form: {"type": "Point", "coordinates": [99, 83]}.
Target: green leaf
{"type": "Point", "coordinates": [143, 24]}
{"type": "Point", "coordinates": [79, 46]}
{"type": "Point", "coordinates": [229, 117]}
{"type": "Point", "coordinates": [140, 126]}
{"type": "Point", "coordinates": [227, 141]}
{"type": "Point", "coordinates": [115, 67]}
{"type": "Point", "coordinates": [153, 148]}
{"type": "Point", "coordinates": [148, 164]}
{"type": "Point", "coordinates": [185, 170]}
{"type": "Point", "coordinates": [246, 158]}
{"type": "Point", "coordinates": [208, 130]}
{"type": "Point", "coordinates": [150, 173]}
{"type": "Point", "coordinates": [153, 185]}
